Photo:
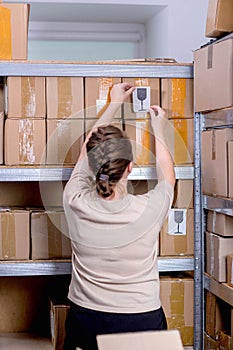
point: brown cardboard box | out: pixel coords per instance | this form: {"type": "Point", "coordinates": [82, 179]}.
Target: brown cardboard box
{"type": "Point", "coordinates": [26, 97]}
{"type": "Point", "coordinates": [49, 235]}
{"type": "Point", "coordinates": [219, 20]}
{"type": "Point", "coordinates": [177, 234]}
{"type": "Point", "coordinates": [154, 84]}
{"type": "Point", "coordinates": [209, 343]}
{"type": "Point", "coordinates": [142, 138]}
{"type": "Point", "coordinates": [14, 31]}
{"type": "Point", "coordinates": [217, 248]}
{"type": "Point", "coordinates": [215, 179]}
{"type": "Point", "coordinates": [169, 339]}
{"type": "Point", "coordinates": [2, 95]}
{"type": "Point", "coordinates": [225, 340]}
{"type": "Point", "coordinates": [230, 168]}
{"type": "Point", "coordinates": [65, 97]}
{"type": "Point", "coordinates": [1, 137]}
{"type": "Point", "coordinates": [24, 141]}
{"type": "Point", "coordinates": [97, 95]}
{"type": "Point", "coordinates": [64, 140]}
{"type": "Point", "coordinates": [213, 74]}
{"type": "Point", "coordinates": [183, 141]}
{"type": "Point", "coordinates": [219, 223]}
{"type": "Point", "coordinates": [58, 314]}
{"type": "Point", "coordinates": [230, 270]}
{"type": "Point", "coordinates": [14, 233]}
{"type": "Point", "coordinates": [183, 195]}
{"type": "Point", "coordinates": [176, 295]}
{"type": "Point", "coordinates": [177, 98]}
{"type": "Point", "coordinates": [89, 123]}
{"type": "Point", "coordinates": [22, 304]}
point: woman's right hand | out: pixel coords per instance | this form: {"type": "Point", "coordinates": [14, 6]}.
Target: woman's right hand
{"type": "Point", "coordinates": [120, 92]}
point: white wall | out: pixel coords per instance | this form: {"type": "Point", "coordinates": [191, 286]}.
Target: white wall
{"type": "Point", "coordinates": [177, 30]}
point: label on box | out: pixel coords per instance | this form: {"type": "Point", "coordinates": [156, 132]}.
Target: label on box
{"type": "Point", "coordinates": [141, 99]}
{"type": "Point", "coordinates": [177, 222]}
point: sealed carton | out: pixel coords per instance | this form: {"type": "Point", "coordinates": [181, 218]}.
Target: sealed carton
{"type": "Point", "coordinates": [209, 343]}
{"type": "Point", "coordinates": [182, 144]}
{"type": "Point", "coordinates": [65, 97]}
{"type": "Point", "coordinates": [97, 95]}
{"type": "Point", "coordinates": [26, 97]}
{"type": "Point", "coordinates": [177, 97]}
{"type": "Point", "coordinates": [213, 74]}
{"type": "Point", "coordinates": [177, 234]}
{"type": "Point", "coordinates": [1, 136]}
{"type": "Point", "coordinates": [142, 138]}
{"type": "Point", "coordinates": [58, 314]}
{"type": "Point", "coordinates": [64, 140]}
{"type": "Point", "coordinates": [215, 160]}
{"type": "Point", "coordinates": [89, 124]}
{"type": "Point", "coordinates": [176, 294]}
{"type": "Point", "coordinates": [154, 84]}
{"type": "Point", "coordinates": [219, 223]}
{"type": "Point", "coordinates": [24, 141]}
{"type": "Point", "coordinates": [14, 31]}
{"type": "Point", "coordinates": [230, 168]}
{"type": "Point", "coordinates": [14, 235]}
{"type": "Point", "coordinates": [49, 235]}
{"type": "Point", "coordinates": [183, 194]}
{"type": "Point", "coordinates": [230, 270]}
{"type": "Point", "coordinates": [217, 249]}
{"type": "Point", "coordinates": [219, 19]}
{"type": "Point", "coordinates": [224, 340]}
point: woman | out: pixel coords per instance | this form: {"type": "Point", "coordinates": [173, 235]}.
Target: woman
{"type": "Point", "coordinates": [115, 281]}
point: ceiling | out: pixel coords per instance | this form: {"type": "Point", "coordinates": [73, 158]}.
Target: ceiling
{"type": "Point", "coordinates": [70, 12]}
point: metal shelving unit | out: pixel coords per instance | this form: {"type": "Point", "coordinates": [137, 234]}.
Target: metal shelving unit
{"type": "Point", "coordinates": [49, 173]}
{"type": "Point", "coordinates": [212, 120]}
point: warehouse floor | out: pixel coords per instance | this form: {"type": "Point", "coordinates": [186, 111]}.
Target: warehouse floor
{"type": "Point", "coordinates": [24, 341]}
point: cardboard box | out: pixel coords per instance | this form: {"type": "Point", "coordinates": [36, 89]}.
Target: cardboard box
{"type": "Point", "coordinates": [15, 235]}
{"type": "Point", "coordinates": [65, 97]}
{"type": "Point", "coordinates": [154, 84]}
{"type": "Point", "coordinates": [219, 20]}
{"type": "Point", "coordinates": [14, 31]}
{"type": "Point", "coordinates": [230, 169]}
{"type": "Point", "coordinates": [177, 97]}
{"type": "Point", "coordinates": [64, 140]}
{"type": "Point", "coordinates": [49, 235]}
{"type": "Point", "coordinates": [23, 306]}
{"type": "Point", "coordinates": [24, 141]}
{"type": "Point", "coordinates": [97, 95]}
{"type": "Point", "coordinates": [209, 343]}
{"type": "Point", "coordinates": [1, 136]}
{"type": "Point", "coordinates": [177, 233]}
{"type": "Point", "coordinates": [176, 294]}
{"type": "Point", "coordinates": [182, 145]}
{"type": "Point", "coordinates": [224, 340]}
{"type": "Point", "coordinates": [143, 142]}
{"type": "Point", "coordinates": [26, 97]}
{"type": "Point", "coordinates": [217, 315]}
{"type": "Point", "coordinates": [89, 124]}
{"type": "Point", "coordinates": [217, 249]}
{"type": "Point", "coordinates": [183, 195]}
{"type": "Point", "coordinates": [230, 270]}
{"type": "Point", "coordinates": [58, 314]}
{"type": "Point", "coordinates": [2, 95]}
{"type": "Point", "coordinates": [215, 157]}
{"type": "Point", "coordinates": [213, 76]}
{"type": "Point", "coordinates": [219, 223]}
{"type": "Point", "coordinates": [141, 340]}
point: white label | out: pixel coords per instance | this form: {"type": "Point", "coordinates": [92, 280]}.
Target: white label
{"type": "Point", "coordinates": [177, 222]}
{"type": "Point", "coordinates": [141, 99]}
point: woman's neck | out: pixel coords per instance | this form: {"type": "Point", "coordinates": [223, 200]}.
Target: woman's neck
{"type": "Point", "coordinates": [120, 190]}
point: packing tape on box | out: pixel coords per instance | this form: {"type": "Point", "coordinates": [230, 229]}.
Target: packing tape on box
{"type": "Point", "coordinates": [181, 154]}
{"type": "Point", "coordinates": [26, 144]}
{"type": "Point", "coordinates": [8, 235]}
{"type": "Point", "coordinates": [210, 56]}
{"type": "Point", "coordinates": [141, 82]}
{"type": "Point", "coordinates": [65, 97]}
{"type": "Point", "coordinates": [5, 34]}
{"type": "Point", "coordinates": [213, 145]}
{"type": "Point", "coordinates": [224, 339]}
{"type": "Point", "coordinates": [28, 97]}
{"type": "Point", "coordinates": [54, 236]}
{"type": "Point", "coordinates": [105, 85]}
{"type": "Point", "coordinates": [178, 97]}
{"type": "Point", "coordinates": [211, 254]}
{"type": "Point", "coordinates": [142, 142]}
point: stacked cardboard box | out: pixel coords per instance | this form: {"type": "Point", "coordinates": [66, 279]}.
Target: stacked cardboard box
{"type": "Point", "coordinates": [58, 314]}
{"type": "Point", "coordinates": [219, 20]}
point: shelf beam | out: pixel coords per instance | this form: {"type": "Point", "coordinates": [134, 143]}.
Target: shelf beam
{"type": "Point", "coordinates": [39, 268]}
{"type": "Point", "coordinates": [220, 290]}
{"type": "Point", "coordinates": [220, 205]}
{"type": "Point", "coordinates": [220, 118]}
{"type": "Point", "coordinates": [62, 174]}
{"type": "Point", "coordinates": [30, 68]}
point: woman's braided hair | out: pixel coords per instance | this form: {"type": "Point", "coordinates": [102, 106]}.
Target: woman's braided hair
{"type": "Point", "coordinates": [109, 152]}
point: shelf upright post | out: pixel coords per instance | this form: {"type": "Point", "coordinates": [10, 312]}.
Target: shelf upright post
{"type": "Point", "coordinates": [198, 239]}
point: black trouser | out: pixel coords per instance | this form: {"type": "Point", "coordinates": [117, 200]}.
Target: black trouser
{"type": "Point", "coordinates": [82, 325]}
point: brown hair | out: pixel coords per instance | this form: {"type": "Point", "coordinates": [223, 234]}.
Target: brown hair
{"type": "Point", "coordinates": [109, 152]}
